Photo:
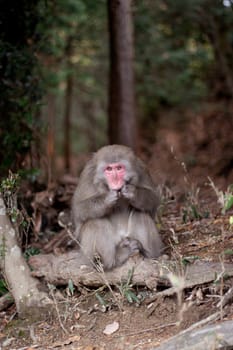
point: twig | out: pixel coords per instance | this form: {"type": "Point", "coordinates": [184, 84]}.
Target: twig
{"type": "Point", "coordinates": [214, 317]}
{"type": "Point", "coordinates": [57, 311]}
{"type": "Point", "coordinates": [154, 305]}
{"type": "Point", "coordinates": [226, 298]}
{"type": "Point", "coordinates": [146, 330]}
{"type": "Point", "coordinates": [31, 347]}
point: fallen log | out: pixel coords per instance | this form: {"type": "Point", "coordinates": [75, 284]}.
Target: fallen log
{"type": "Point", "coordinates": [59, 269]}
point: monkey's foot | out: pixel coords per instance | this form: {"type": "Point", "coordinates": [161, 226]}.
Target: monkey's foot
{"type": "Point", "coordinates": [133, 245]}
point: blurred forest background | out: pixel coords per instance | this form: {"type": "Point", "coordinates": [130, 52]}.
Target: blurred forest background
{"type": "Point", "coordinates": [55, 68]}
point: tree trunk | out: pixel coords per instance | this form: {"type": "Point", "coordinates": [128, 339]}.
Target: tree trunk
{"type": "Point", "coordinates": [24, 288]}
{"type": "Point", "coordinates": [122, 126]}
{"type": "Point", "coordinates": [51, 137]}
{"type": "Point", "coordinates": [68, 103]}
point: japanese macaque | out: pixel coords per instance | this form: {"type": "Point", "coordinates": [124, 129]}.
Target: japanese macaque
{"type": "Point", "coordinates": [114, 207]}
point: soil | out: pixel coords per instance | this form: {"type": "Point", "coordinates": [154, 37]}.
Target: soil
{"type": "Point", "coordinates": [192, 226]}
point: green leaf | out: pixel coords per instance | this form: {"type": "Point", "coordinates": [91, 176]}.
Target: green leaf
{"type": "Point", "coordinates": [131, 297]}
{"type": "Point", "coordinates": [100, 299]}
{"type": "Point", "coordinates": [229, 202]}
{"type": "Point", "coordinates": [3, 287]}
{"type": "Point", "coordinates": [228, 252]}
{"type": "Point", "coordinates": [71, 287]}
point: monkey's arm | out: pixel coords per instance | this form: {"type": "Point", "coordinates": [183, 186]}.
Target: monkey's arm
{"type": "Point", "coordinates": [141, 191]}
{"type": "Point", "coordinates": [93, 207]}
{"type": "Point", "coordinates": [141, 198]}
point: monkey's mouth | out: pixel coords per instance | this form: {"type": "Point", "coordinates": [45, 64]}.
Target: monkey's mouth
{"type": "Point", "coordinates": [116, 185]}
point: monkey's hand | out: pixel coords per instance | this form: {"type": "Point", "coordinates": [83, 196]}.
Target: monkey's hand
{"type": "Point", "coordinates": [111, 198]}
{"type": "Point", "coordinates": [128, 191]}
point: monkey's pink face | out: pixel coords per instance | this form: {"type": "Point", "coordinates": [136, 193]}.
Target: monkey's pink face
{"type": "Point", "coordinates": [115, 175]}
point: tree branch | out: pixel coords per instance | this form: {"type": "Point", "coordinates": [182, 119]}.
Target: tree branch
{"type": "Point", "coordinates": [22, 286]}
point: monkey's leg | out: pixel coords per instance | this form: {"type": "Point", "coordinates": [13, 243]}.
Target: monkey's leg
{"type": "Point", "coordinates": [143, 229]}
{"type": "Point", "coordinates": [98, 239]}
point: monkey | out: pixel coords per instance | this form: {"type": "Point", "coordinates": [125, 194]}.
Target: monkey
{"type": "Point", "coordinates": [114, 206]}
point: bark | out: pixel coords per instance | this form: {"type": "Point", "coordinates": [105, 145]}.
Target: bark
{"type": "Point", "coordinates": [122, 119]}
{"type": "Point", "coordinates": [29, 300]}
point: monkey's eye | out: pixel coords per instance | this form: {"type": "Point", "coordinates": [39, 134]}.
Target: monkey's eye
{"type": "Point", "coordinates": [109, 168]}
{"type": "Point", "coordinates": [119, 167]}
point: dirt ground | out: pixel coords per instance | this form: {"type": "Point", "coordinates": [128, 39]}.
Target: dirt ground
{"type": "Point", "coordinates": [192, 227]}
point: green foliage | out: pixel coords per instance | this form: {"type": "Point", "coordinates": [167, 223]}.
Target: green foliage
{"type": "Point", "coordinates": [219, 278]}
{"type": "Point", "coordinates": [3, 287]}
{"type": "Point", "coordinates": [31, 251]}
{"type": "Point", "coordinates": [127, 291]}
{"type": "Point", "coordinates": [225, 199]}
{"type": "Point", "coordinates": [179, 50]}
{"type": "Point", "coordinates": [30, 174]}
{"type": "Point", "coordinates": [10, 185]}
{"type": "Point", "coordinates": [20, 89]}
{"type": "Point", "coordinates": [71, 287]}
{"type": "Point", "coordinates": [228, 199]}
{"type": "Point", "coordinates": [176, 58]}
{"type": "Point", "coordinates": [101, 300]}
{"type": "Point", "coordinates": [77, 47]}
{"type": "Point", "coordinates": [192, 210]}
{"type": "Point", "coordinates": [186, 260]}
{"type": "Point", "coordinates": [228, 252]}
{"type": "Point", "coordinates": [165, 68]}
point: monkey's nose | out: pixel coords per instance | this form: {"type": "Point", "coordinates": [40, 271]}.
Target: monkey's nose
{"type": "Point", "coordinates": [115, 175]}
